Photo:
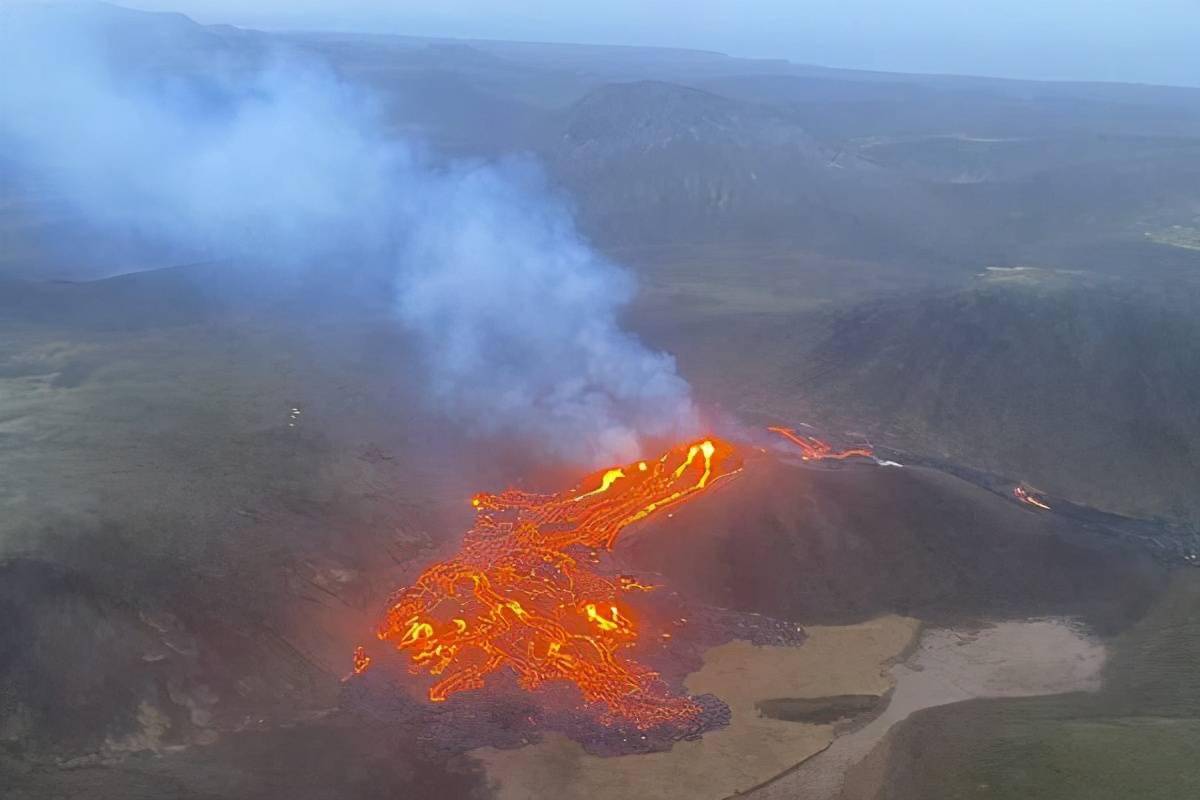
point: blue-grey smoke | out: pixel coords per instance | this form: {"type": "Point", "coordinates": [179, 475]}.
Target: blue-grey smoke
{"type": "Point", "coordinates": [267, 156]}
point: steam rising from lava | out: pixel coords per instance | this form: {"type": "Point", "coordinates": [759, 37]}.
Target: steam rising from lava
{"type": "Point", "coordinates": [518, 318]}
{"type": "Point", "coordinates": [269, 158]}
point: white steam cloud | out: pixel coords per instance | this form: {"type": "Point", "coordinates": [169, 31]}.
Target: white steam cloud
{"type": "Point", "coordinates": [272, 158]}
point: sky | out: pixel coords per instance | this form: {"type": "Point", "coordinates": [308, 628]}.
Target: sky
{"type": "Point", "coordinates": [1149, 41]}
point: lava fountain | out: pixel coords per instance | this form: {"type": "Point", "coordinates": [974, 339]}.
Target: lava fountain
{"type": "Point", "coordinates": [522, 593]}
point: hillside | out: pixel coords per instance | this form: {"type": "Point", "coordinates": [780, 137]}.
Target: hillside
{"type": "Point", "coordinates": [1088, 389]}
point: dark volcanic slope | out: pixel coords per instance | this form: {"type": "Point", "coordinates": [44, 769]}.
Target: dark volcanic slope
{"type": "Point", "coordinates": [839, 545]}
{"type": "Point", "coordinates": [69, 659]}
{"type": "Point", "coordinates": [308, 762]}
{"type": "Point", "coordinates": [1090, 390]}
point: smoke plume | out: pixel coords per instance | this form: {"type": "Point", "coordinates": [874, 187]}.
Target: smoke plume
{"type": "Point", "coordinates": [236, 148]}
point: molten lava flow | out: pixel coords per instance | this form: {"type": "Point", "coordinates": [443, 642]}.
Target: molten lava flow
{"type": "Point", "coordinates": [519, 594]}
{"type": "Point", "coordinates": [361, 660]}
{"type": "Point", "coordinates": [1028, 498]}
{"type": "Point", "coordinates": [813, 449]}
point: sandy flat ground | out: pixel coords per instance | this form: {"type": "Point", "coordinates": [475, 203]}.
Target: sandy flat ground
{"type": "Point", "coordinates": [1008, 659]}
{"type": "Point", "coordinates": [840, 660]}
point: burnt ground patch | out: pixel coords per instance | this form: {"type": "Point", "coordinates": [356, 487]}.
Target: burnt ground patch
{"type": "Point", "coordinates": [841, 545]}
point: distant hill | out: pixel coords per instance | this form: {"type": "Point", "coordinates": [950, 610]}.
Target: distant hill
{"type": "Point", "coordinates": [145, 41]}
{"type": "Point", "coordinates": [660, 162]}
{"type": "Point", "coordinates": [648, 115]}
{"type": "Point", "coordinates": [657, 145]}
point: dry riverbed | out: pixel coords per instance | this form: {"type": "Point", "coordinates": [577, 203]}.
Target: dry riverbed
{"type": "Point", "coordinates": [798, 713]}
{"type": "Point", "coordinates": [1007, 659]}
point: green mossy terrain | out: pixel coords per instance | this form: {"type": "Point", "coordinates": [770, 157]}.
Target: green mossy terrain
{"type": "Point", "coordinates": [1139, 737]}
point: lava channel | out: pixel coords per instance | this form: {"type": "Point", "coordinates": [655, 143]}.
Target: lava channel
{"type": "Point", "coordinates": [814, 449]}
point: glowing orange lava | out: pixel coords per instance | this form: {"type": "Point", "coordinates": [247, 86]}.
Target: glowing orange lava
{"type": "Point", "coordinates": [814, 449]}
{"type": "Point", "coordinates": [1028, 498]}
{"type": "Point", "coordinates": [520, 593]}
{"type": "Point", "coordinates": [361, 660]}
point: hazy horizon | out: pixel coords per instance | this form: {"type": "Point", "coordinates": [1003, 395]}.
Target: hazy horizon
{"type": "Point", "coordinates": [1057, 40]}
{"type": "Point", "coordinates": [452, 416]}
